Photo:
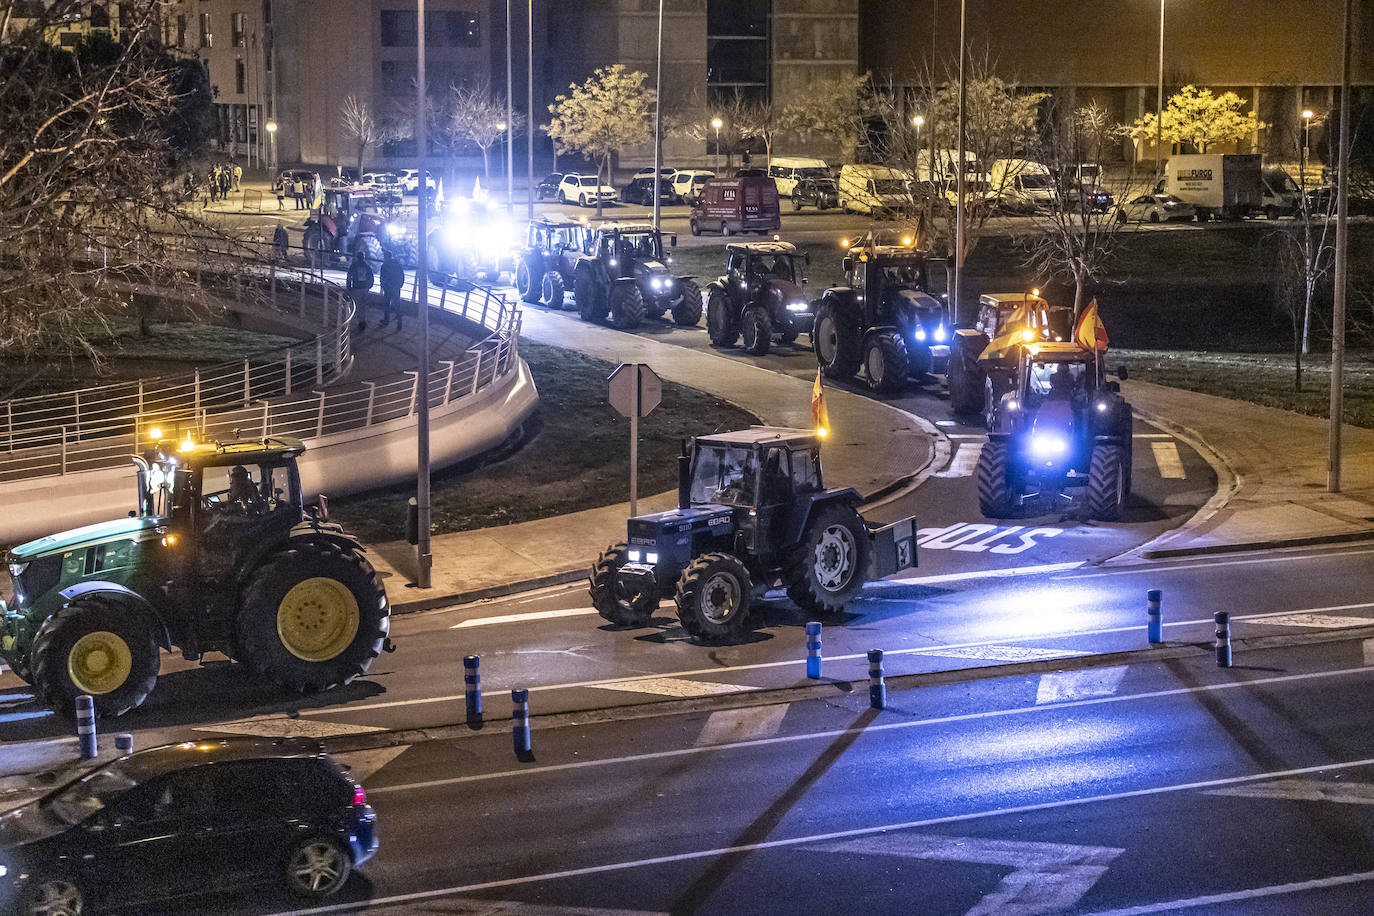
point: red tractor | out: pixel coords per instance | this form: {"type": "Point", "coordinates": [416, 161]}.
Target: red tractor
{"type": "Point", "coordinates": [351, 219]}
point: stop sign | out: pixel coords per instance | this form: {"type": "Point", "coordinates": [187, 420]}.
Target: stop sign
{"type": "Point", "coordinates": [623, 384]}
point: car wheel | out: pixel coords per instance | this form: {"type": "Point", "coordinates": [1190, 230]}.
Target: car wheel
{"type": "Point", "coordinates": [1271, 212]}
{"type": "Point", "coordinates": [52, 897]}
{"type": "Point", "coordinates": [694, 227]}
{"type": "Point", "coordinates": [562, 198]}
{"type": "Point", "coordinates": [796, 203]}
{"type": "Point", "coordinates": [317, 867]}
{"type": "Point", "coordinates": [1154, 216]}
{"type": "Point", "coordinates": [725, 229]}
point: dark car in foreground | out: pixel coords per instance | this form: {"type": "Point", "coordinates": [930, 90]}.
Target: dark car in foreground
{"type": "Point", "coordinates": [185, 819]}
{"type": "Point", "coordinates": [547, 189]}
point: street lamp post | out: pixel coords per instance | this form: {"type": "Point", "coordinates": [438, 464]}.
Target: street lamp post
{"type": "Point", "coordinates": [529, 109]}
{"type": "Point", "coordinates": [508, 126]}
{"type": "Point", "coordinates": [1159, 102]}
{"type": "Point", "coordinates": [717, 123]}
{"type": "Point", "coordinates": [423, 556]}
{"type": "Point", "coordinates": [658, 116]}
{"type": "Point", "coordinates": [1307, 115]}
{"type": "Point", "coordinates": [960, 168]}
{"type": "Point", "coordinates": [271, 144]}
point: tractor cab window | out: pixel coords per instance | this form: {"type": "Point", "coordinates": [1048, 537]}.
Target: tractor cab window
{"type": "Point", "coordinates": [898, 275]}
{"type": "Point", "coordinates": [243, 490]}
{"type": "Point", "coordinates": [1057, 381]}
{"type": "Point", "coordinates": [777, 477]}
{"type": "Point", "coordinates": [642, 246]}
{"type": "Point", "coordinates": [737, 262]}
{"type": "Point", "coordinates": [778, 267]}
{"type": "Point", "coordinates": [724, 475]}
{"type": "Point", "coordinates": [806, 471]}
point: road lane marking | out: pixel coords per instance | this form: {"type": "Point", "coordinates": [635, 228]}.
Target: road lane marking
{"type": "Point", "coordinates": [1346, 793]}
{"type": "Point", "coordinates": [1168, 461]}
{"type": "Point", "coordinates": [672, 687]}
{"type": "Point", "coordinates": [1255, 893]}
{"type": "Point", "coordinates": [979, 574]}
{"type": "Point", "coordinates": [1325, 621]}
{"type": "Point", "coordinates": [1045, 877]}
{"type": "Point", "coordinates": [1152, 436]}
{"type": "Point", "coordinates": [835, 733]}
{"type": "Point", "coordinates": [789, 842]}
{"type": "Point", "coordinates": [787, 663]}
{"type": "Point", "coordinates": [728, 726]}
{"type": "Point", "coordinates": [1282, 555]}
{"type": "Point", "coordinates": [976, 537]}
{"type": "Point", "coordinates": [363, 764]}
{"type": "Point", "coordinates": [965, 460]}
{"type": "Point", "coordinates": [522, 618]}
{"type": "Point", "coordinates": [288, 727]}
{"type": "Point", "coordinates": [1059, 686]}
{"type": "Point", "coordinates": [1368, 647]}
{"type": "Point", "coordinates": [480, 906]}
{"type": "Point", "coordinates": [1005, 653]}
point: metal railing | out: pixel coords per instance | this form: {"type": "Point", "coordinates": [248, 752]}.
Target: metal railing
{"type": "Point", "coordinates": [279, 392]}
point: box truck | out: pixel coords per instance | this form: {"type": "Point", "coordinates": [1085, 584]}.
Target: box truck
{"type": "Point", "coordinates": [1218, 185]}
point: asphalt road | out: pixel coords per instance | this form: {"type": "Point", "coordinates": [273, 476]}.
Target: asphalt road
{"type": "Point", "coordinates": [1160, 787]}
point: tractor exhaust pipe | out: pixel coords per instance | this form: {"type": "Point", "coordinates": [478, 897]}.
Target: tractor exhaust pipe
{"type": "Point", "coordinates": [684, 479]}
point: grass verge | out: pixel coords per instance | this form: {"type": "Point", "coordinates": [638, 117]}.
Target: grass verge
{"type": "Point", "coordinates": [575, 455]}
{"type": "Point", "coordinates": [1259, 378]}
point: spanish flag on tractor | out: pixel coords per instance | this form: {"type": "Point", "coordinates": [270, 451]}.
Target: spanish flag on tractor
{"type": "Point", "coordinates": [820, 418]}
{"type": "Point", "coordinates": [1090, 333]}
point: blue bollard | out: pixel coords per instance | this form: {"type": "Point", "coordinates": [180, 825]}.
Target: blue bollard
{"type": "Point", "coordinates": [124, 744]}
{"type": "Point", "coordinates": [85, 726]}
{"type": "Point", "coordinates": [472, 688]}
{"type": "Point", "coordinates": [877, 690]}
{"type": "Point", "coordinates": [813, 649]}
{"type": "Point", "coordinates": [520, 721]}
{"type": "Point", "coordinates": [1223, 621]}
{"type": "Point", "coordinates": [1155, 628]}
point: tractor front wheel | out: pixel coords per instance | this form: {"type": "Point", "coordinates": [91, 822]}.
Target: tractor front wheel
{"type": "Point", "coordinates": [590, 305]}
{"type": "Point", "coordinates": [627, 306]}
{"type": "Point", "coordinates": [757, 330]}
{"type": "Point", "coordinates": [95, 647]}
{"type": "Point", "coordinates": [835, 338]}
{"type": "Point", "coordinates": [886, 362]}
{"type": "Point", "coordinates": [1106, 483]}
{"type": "Point", "coordinates": [995, 497]}
{"type": "Point", "coordinates": [610, 598]}
{"type": "Point", "coordinates": [687, 311]}
{"type": "Point", "coordinates": [524, 283]}
{"type": "Point", "coordinates": [551, 289]}
{"type": "Point", "coordinates": [713, 597]}
{"type": "Point", "coordinates": [314, 616]}
{"type": "Point", "coordinates": [722, 326]}
{"type": "Point", "coordinates": [828, 567]}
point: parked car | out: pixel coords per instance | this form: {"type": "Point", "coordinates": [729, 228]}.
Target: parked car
{"type": "Point", "coordinates": [548, 186]}
{"type": "Point", "coordinates": [821, 193]}
{"type": "Point", "coordinates": [1155, 208]}
{"type": "Point", "coordinates": [583, 190]}
{"type": "Point", "coordinates": [687, 184]}
{"type": "Point", "coordinates": [640, 190]}
{"type": "Point", "coordinates": [737, 205]}
{"type": "Point", "coordinates": [410, 180]}
{"type": "Point", "coordinates": [289, 176]}
{"type": "Point", "coordinates": [187, 819]}
{"type": "Point", "coordinates": [786, 171]}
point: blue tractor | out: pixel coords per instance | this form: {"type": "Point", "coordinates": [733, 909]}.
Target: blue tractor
{"type": "Point", "coordinates": [753, 513]}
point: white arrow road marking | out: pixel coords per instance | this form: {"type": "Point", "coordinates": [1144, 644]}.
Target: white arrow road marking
{"type": "Point", "coordinates": [1167, 460]}
{"type": "Point", "coordinates": [287, 727]}
{"type": "Point", "coordinates": [1346, 793]}
{"type": "Point", "coordinates": [730, 725]}
{"type": "Point", "coordinates": [1001, 653]}
{"type": "Point", "coordinates": [363, 764]}
{"type": "Point", "coordinates": [522, 618]}
{"type": "Point", "coordinates": [965, 460]}
{"type": "Point", "coordinates": [1048, 877]}
{"type": "Point", "coordinates": [672, 687]}
{"type": "Point", "coordinates": [1329, 621]}
{"type": "Point", "coordinates": [1060, 686]}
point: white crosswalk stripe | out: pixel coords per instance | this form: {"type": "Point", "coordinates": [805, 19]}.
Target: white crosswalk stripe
{"type": "Point", "coordinates": [1167, 460]}
{"type": "Point", "coordinates": [964, 462]}
{"type": "Point", "coordinates": [1326, 621]}
{"type": "Point", "coordinates": [1003, 653]}
{"type": "Point", "coordinates": [672, 687]}
{"type": "Point", "coordinates": [730, 725]}
{"type": "Point", "coordinates": [1062, 686]}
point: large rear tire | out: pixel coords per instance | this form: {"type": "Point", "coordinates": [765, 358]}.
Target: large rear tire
{"type": "Point", "coordinates": [1106, 483]}
{"type": "Point", "coordinates": [713, 597]}
{"type": "Point", "coordinates": [829, 565]}
{"type": "Point", "coordinates": [965, 384]}
{"type": "Point", "coordinates": [590, 305]}
{"type": "Point", "coordinates": [93, 646]}
{"type": "Point", "coordinates": [551, 290]}
{"type": "Point", "coordinates": [314, 616]}
{"type": "Point", "coordinates": [524, 283]}
{"type": "Point", "coordinates": [627, 306]}
{"type": "Point", "coordinates": [886, 362]}
{"type": "Point", "coordinates": [610, 599]}
{"type": "Point", "coordinates": [687, 311]}
{"type": "Point", "coordinates": [756, 329]}
{"type": "Point", "coordinates": [835, 338]}
{"type": "Point", "coordinates": [995, 496]}
{"type": "Point", "coordinates": [722, 325]}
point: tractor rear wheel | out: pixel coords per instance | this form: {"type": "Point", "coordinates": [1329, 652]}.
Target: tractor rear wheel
{"type": "Point", "coordinates": [790, 332]}
{"type": "Point", "coordinates": [756, 329]}
{"type": "Point", "coordinates": [1106, 483]}
{"type": "Point", "coordinates": [627, 306]}
{"type": "Point", "coordinates": [886, 362]}
{"type": "Point", "coordinates": [551, 291]}
{"type": "Point", "coordinates": [609, 597]}
{"type": "Point", "coordinates": [687, 311]}
{"type": "Point", "coordinates": [995, 496]}
{"type": "Point", "coordinates": [835, 338]}
{"type": "Point", "coordinates": [713, 597]}
{"type": "Point", "coordinates": [314, 616]}
{"type": "Point", "coordinates": [524, 283]}
{"type": "Point", "coordinates": [95, 647]}
{"type": "Point", "coordinates": [828, 567]}
{"type": "Point", "coordinates": [964, 384]}
{"type": "Point", "coordinates": [590, 305]}
{"type": "Point", "coordinates": [722, 325]}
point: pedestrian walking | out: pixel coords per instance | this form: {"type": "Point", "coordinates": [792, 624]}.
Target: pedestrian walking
{"type": "Point", "coordinates": [298, 192]}
{"type": "Point", "coordinates": [280, 242]}
{"type": "Point", "coordinates": [359, 278]}
{"type": "Point", "coordinates": [393, 279]}
{"type": "Point", "coordinates": [212, 183]}
{"type": "Point", "coordinates": [238, 175]}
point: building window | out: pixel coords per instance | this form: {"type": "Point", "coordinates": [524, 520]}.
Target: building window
{"type": "Point", "coordinates": [737, 18]}
{"type": "Point", "coordinates": [206, 37]}
{"type": "Point", "coordinates": [737, 59]}
{"type": "Point", "coordinates": [240, 77]}
{"type": "Point", "coordinates": [398, 77]}
{"type": "Point", "coordinates": [181, 30]}
{"type": "Point", "coordinates": [69, 39]}
{"type": "Point", "coordinates": [239, 28]}
{"type": "Point", "coordinates": [443, 29]}
{"type": "Point", "coordinates": [100, 16]}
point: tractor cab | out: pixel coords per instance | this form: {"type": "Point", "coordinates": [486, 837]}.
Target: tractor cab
{"type": "Point", "coordinates": [551, 237]}
{"type": "Point", "coordinates": [760, 468]}
{"type": "Point", "coordinates": [631, 251]}
{"type": "Point", "coordinates": [752, 266]}
{"type": "Point", "coordinates": [351, 210]}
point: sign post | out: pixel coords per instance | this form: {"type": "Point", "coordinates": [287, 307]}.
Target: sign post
{"type": "Point", "coordinates": [635, 390]}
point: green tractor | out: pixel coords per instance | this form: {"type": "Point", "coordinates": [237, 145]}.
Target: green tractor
{"type": "Point", "coordinates": [221, 554]}
{"type": "Point", "coordinates": [752, 513]}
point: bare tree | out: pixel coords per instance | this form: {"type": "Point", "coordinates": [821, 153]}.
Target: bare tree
{"type": "Point", "coordinates": [611, 110]}
{"type": "Point", "coordinates": [362, 127]}
{"type": "Point", "coordinates": [477, 117]}
{"type": "Point", "coordinates": [837, 110]}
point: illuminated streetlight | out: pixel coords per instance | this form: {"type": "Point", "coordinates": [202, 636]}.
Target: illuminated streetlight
{"type": "Point", "coordinates": [918, 120]}
{"type": "Point", "coordinates": [1307, 116]}
{"type": "Point", "coordinates": [717, 123]}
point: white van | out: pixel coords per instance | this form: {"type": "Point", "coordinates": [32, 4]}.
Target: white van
{"type": "Point", "coordinates": [786, 171]}
{"type": "Point", "coordinates": [874, 189]}
{"type": "Point", "coordinates": [1021, 185]}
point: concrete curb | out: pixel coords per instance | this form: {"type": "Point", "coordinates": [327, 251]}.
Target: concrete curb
{"type": "Point", "coordinates": [1366, 534]}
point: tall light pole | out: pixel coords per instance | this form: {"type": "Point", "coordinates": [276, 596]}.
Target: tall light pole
{"type": "Point", "coordinates": [717, 123]}
{"type": "Point", "coordinates": [509, 126]}
{"type": "Point", "coordinates": [1337, 410]}
{"type": "Point", "coordinates": [1307, 115]}
{"type": "Point", "coordinates": [529, 111]}
{"type": "Point", "coordinates": [424, 558]}
{"type": "Point", "coordinates": [271, 145]}
{"type": "Point", "coordinates": [959, 169]}
{"type": "Point", "coordinates": [1159, 102]}
{"type": "Point", "coordinates": [658, 113]}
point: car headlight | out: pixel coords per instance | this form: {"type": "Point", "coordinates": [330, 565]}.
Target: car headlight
{"type": "Point", "coordinates": [634, 556]}
{"type": "Point", "coordinates": [17, 569]}
{"type": "Point", "coordinates": [1047, 445]}
{"type": "Point", "coordinates": [798, 306]}
{"type": "Point", "coordinates": [651, 559]}
{"type": "Point", "coordinates": [920, 333]}
{"type": "Point", "coordinates": [940, 332]}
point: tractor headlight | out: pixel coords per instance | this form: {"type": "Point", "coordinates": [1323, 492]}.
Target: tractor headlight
{"type": "Point", "coordinates": [395, 230]}
{"type": "Point", "coordinates": [613, 262]}
{"type": "Point", "coordinates": [920, 333]}
{"type": "Point", "coordinates": [798, 306]}
{"type": "Point", "coordinates": [17, 569]}
{"type": "Point", "coordinates": [1102, 406]}
{"type": "Point", "coordinates": [940, 332]}
{"type": "Point", "coordinates": [634, 556]}
{"type": "Point", "coordinates": [651, 559]}
{"type": "Point", "coordinates": [1048, 445]}
{"type": "Point", "coordinates": [454, 236]}
{"type": "Point", "coordinates": [1013, 405]}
